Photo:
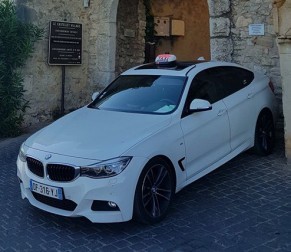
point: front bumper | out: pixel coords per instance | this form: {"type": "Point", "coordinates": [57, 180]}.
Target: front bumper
{"type": "Point", "coordinates": [82, 194]}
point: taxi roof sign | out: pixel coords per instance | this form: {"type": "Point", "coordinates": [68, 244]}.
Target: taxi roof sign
{"type": "Point", "coordinates": [166, 60]}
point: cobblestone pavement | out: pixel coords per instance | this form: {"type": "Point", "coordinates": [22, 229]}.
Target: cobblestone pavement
{"type": "Point", "coordinates": [243, 206]}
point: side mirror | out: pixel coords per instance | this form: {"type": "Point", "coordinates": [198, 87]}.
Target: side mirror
{"type": "Point", "coordinates": [198, 105]}
{"type": "Point", "coordinates": [94, 95]}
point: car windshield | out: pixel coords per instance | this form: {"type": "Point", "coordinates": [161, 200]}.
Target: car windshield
{"type": "Point", "coordinates": [153, 94]}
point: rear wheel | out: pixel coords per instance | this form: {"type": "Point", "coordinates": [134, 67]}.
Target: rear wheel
{"type": "Point", "coordinates": [154, 192]}
{"type": "Point", "coordinates": [265, 134]}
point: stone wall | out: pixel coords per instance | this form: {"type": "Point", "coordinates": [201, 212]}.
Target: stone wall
{"type": "Point", "coordinates": [100, 46]}
{"type": "Point", "coordinates": [130, 34]}
{"type": "Point", "coordinates": [43, 82]}
{"type": "Point", "coordinates": [230, 39]}
{"type": "Point", "coordinates": [220, 25]}
{"type": "Point", "coordinates": [256, 52]}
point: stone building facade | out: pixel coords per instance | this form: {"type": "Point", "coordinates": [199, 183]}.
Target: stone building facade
{"type": "Point", "coordinates": [101, 55]}
{"type": "Point", "coordinates": [113, 40]}
{"type": "Point", "coordinates": [231, 40]}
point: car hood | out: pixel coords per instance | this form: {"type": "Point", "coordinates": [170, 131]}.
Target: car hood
{"type": "Point", "coordinates": [96, 134]}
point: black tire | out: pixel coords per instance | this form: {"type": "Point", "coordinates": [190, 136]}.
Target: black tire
{"type": "Point", "coordinates": [154, 192]}
{"type": "Point", "coordinates": [264, 134]}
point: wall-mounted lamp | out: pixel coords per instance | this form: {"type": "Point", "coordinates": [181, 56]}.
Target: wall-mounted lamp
{"type": "Point", "coordinates": [86, 3]}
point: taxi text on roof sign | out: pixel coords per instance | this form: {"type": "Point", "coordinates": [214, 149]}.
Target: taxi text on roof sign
{"type": "Point", "coordinates": [165, 58]}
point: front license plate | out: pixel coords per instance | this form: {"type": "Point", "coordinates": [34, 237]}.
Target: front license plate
{"type": "Point", "coordinates": [49, 191]}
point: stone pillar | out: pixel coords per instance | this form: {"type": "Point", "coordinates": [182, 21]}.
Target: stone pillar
{"type": "Point", "coordinates": [282, 24]}
{"type": "Point", "coordinates": [220, 41]}
{"type": "Point", "coordinates": [105, 51]}
{"type": "Point", "coordinates": [284, 45]}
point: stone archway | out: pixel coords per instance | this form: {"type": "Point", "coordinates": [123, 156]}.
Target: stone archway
{"type": "Point", "coordinates": [109, 47]}
{"type": "Point", "coordinates": [184, 26]}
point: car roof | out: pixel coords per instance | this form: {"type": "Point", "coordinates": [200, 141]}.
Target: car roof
{"type": "Point", "coordinates": [181, 69]}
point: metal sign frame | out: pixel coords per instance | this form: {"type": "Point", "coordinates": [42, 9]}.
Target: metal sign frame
{"type": "Point", "coordinates": [256, 29]}
{"type": "Point", "coordinates": [65, 43]}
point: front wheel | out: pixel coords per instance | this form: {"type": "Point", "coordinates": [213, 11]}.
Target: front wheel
{"type": "Point", "coordinates": [264, 134]}
{"type": "Point", "coordinates": [154, 192]}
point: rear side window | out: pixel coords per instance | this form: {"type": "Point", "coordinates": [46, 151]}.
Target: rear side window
{"type": "Point", "coordinates": [233, 79]}
{"type": "Point", "coordinates": [227, 79]}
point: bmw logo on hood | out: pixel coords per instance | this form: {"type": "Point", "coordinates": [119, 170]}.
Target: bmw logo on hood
{"type": "Point", "coordinates": [48, 156]}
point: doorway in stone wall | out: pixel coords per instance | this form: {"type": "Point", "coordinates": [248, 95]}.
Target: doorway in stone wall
{"type": "Point", "coordinates": [121, 33]}
{"type": "Point", "coordinates": [192, 40]}
{"type": "Point", "coordinates": [130, 31]}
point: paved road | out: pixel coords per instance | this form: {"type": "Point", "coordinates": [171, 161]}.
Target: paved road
{"type": "Point", "coordinates": [243, 206]}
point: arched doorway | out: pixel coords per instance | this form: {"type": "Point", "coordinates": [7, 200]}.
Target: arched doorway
{"type": "Point", "coordinates": [191, 40]}
{"type": "Point", "coordinates": [130, 31]}
{"type": "Point", "coordinates": [208, 26]}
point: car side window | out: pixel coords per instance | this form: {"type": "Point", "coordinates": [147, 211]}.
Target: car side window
{"type": "Point", "coordinates": [232, 79]}
{"type": "Point", "coordinates": [206, 86]}
{"type": "Point", "coordinates": [216, 83]}
{"type": "Point", "coordinates": [203, 87]}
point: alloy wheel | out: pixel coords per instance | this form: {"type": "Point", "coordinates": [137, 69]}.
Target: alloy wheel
{"type": "Point", "coordinates": [156, 190]}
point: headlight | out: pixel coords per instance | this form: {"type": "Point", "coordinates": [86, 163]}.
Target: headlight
{"type": "Point", "coordinates": [105, 169]}
{"type": "Point", "coordinates": [21, 154]}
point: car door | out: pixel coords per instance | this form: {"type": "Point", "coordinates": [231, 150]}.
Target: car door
{"type": "Point", "coordinates": [239, 102]}
{"type": "Point", "coordinates": [207, 133]}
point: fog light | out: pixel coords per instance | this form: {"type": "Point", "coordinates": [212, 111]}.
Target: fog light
{"type": "Point", "coordinates": [102, 205]}
{"type": "Point", "coordinates": [112, 204]}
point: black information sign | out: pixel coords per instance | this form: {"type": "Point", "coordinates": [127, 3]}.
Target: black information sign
{"type": "Point", "coordinates": [65, 43]}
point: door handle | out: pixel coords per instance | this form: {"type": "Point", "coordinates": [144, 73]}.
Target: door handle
{"type": "Point", "coordinates": [221, 112]}
{"type": "Point", "coordinates": [250, 95]}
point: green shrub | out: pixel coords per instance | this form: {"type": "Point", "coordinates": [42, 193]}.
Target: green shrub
{"type": "Point", "coordinates": [16, 46]}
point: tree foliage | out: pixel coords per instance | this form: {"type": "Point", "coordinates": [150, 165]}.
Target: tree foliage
{"type": "Point", "coordinates": [16, 46]}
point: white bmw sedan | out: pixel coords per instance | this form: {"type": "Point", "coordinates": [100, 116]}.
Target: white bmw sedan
{"type": "Point", "coordinates": [151, 132]}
